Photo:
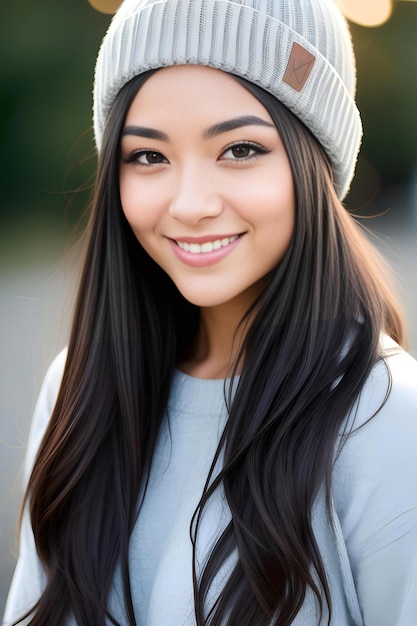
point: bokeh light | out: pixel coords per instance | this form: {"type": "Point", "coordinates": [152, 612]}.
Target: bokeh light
{"type": "Point", "coordinates": [105, 6]}
{"type": "Point", "coordinates": [366, 12]}
{"type": "Point", "coordinates": [363, 12]}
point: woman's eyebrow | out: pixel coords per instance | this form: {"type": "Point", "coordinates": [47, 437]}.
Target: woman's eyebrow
{"type": "Point", "coordinates": [212, 131]}
{"type": "Point", "coordinates": [144, 131]}
{"type": "Point", "coordinates": [237, 122]}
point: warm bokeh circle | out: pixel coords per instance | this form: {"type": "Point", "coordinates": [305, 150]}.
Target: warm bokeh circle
{"type": "Point", "coordinates": [105, 6]}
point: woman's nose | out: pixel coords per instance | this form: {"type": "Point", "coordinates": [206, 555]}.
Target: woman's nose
{"type": "Point", "coordinates": [195, 197]}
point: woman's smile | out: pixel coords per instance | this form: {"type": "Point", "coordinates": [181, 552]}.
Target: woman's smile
{"type": "Point", "coordinates": [206, 251]}
{"type": "Point", "coordinates": [205, 244]}
{"type": "Point", "coordinates": [206, 184]}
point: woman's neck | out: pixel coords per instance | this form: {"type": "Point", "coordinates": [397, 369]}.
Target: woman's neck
{"type": "Point", "coordinates": [217, 343]}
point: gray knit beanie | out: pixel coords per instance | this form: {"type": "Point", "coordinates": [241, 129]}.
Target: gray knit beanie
{"type": "Point", "coordinates": [298, 50]}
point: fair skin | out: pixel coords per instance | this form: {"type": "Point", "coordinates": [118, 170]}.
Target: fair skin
{"type": "Point", "coordinates": [207, 189]}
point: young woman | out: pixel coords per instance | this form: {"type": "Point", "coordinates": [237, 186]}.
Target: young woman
{"type": "Point", "coordinates": [230, 437]}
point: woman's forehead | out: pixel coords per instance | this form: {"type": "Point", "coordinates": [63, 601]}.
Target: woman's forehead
{"type": "Point", "coordinates": [184, 91]}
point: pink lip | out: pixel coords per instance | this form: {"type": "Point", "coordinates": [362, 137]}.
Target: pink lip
{"type": "Point", "coordinates": [203, 259]}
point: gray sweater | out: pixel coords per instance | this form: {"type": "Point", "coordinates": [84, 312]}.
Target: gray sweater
{"type": "Point", "coordinates": [369, 550]}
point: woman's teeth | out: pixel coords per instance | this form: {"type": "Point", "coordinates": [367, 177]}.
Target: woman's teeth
{"type": "Point", "coordinates": [208, 246]}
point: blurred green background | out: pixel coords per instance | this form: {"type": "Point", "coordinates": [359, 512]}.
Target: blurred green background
{"type": "Point", "coordinates": [47, 52]}
{"type": "Point", "coordinates": [47, 56]}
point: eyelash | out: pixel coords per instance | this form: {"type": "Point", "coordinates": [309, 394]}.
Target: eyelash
{"type": "Point", "coordinates": [134, 157]}
{"type": "Point", "coordinates": [256, 149]}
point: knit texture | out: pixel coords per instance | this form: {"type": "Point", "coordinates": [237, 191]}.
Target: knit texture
{"type": "Point", "coordinates": [265, 41]}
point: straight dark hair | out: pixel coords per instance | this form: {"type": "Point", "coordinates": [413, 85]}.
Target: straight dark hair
{"type": "Point", "coordinates": [317, 321]}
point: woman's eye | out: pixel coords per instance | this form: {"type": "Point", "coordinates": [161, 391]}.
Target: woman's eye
{"type": "Point", "coordinates": [149, 157]}
{"type": "Point", "coordinates": [243, 151]}
{"type": "Point", "coordinates": [146, 157]}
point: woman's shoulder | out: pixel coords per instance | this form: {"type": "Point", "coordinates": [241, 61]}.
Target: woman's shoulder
{"type": "Point", "coordinates": [389, 394]}
{"type": "Point", "coordinates": [43, 410]}
{"type": "Point", "coordinates": [383, 421]}
{"type": "Point", "coordinates": [375, 474]}
{"type": "Point", "coordinates": [374, 490]}
{"type": "Point", "coordinates": [401, 366]}
{"type": "Point", "coordinates": [53, 377]}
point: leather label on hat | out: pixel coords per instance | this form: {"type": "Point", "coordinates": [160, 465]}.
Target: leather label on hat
{"type": "Point", "coordinates": [299, 66]}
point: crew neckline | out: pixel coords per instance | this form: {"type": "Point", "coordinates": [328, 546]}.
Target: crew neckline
{"type": "Point", "coordinates": [199, 396]}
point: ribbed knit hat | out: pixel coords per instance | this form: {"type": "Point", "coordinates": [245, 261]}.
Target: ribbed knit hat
{"type": "Point", "coordinates": [298, 50]}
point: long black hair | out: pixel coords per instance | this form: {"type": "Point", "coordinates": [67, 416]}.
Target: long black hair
{"type": "Point", "coordinates": [317, 321]}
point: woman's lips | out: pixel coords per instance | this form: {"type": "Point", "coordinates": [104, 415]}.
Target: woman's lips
{"type": "Point", "coordinates": [200, 252]}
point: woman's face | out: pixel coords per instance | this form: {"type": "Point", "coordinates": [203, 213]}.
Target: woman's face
{"type": "Point", "coordinates": [205, 183]}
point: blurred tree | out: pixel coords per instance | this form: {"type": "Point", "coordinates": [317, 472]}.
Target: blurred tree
{"type": "Point", "coordinates": [387, 92]}
{"type": "Point", "coordinates": [47, 52]}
